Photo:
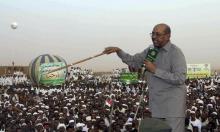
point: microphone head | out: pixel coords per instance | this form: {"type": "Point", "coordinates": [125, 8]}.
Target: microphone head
{"type": "Point", "coordinates": [152, 54]}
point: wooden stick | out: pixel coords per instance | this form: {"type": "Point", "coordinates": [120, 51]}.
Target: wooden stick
{"type": "Point", "coordinates": [60, 68]}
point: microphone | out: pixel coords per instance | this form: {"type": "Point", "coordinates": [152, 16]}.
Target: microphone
{"type": "Point", "coordinates": [151, 56]}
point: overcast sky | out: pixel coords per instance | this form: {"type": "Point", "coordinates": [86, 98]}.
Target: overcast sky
{"type": "Point", "coordinates": [77, 29]}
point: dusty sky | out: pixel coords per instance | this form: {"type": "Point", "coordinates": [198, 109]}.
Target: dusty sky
{"type": "Point", "coordinates": [77, 29]}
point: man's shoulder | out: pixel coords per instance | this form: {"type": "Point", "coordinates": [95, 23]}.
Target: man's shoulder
{"type": "Point", "coordinates": [174, 47]}
{"type": "Point", "coordinates": [176, 52]}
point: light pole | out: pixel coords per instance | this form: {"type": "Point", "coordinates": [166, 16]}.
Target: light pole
{"type": "Point", "coordinates": [14, 26]}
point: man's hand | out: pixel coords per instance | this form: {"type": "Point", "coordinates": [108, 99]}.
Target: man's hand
{"type": "Point", "coordinates": [109, 50]}
{"type": "Point", "coordinates": [151, 67]}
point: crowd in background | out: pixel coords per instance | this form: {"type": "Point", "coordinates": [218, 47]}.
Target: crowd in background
{"type": "Point", "coordinates": [97, 103]}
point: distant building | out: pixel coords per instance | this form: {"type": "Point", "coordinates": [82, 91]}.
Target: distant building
{"type": "Point", "coordinates": [9, 70]}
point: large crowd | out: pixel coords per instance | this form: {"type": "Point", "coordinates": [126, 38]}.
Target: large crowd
{"type": "Point", "coordinates": [91, 103]}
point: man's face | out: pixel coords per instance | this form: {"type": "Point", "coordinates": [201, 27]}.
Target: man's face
{"type": "Point", "coordinates": [159, 37]}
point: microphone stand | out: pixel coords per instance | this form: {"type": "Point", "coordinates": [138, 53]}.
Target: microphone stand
{"type": "Point", "coordinates": [143, 84]}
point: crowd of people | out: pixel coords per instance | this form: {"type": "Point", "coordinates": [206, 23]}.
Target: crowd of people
{"type": "Point", "coordinates": [203, 103]}
{"type": "Point", "coordinates": [15, 79]}
{"type": "Point", "coordinates": [97, 104]}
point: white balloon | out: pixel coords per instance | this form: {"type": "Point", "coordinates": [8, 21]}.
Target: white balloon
{"type": "Point", "coordinates": [14, 25]}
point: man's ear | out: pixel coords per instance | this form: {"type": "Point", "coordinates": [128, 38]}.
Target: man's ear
{"type": "Point", "coordinates": [168, 36]}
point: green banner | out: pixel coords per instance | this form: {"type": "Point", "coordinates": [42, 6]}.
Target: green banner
{"type": "Point", "coordinates": [129, 78]}
{"type": "Point", "coordinates": [54, 78]}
